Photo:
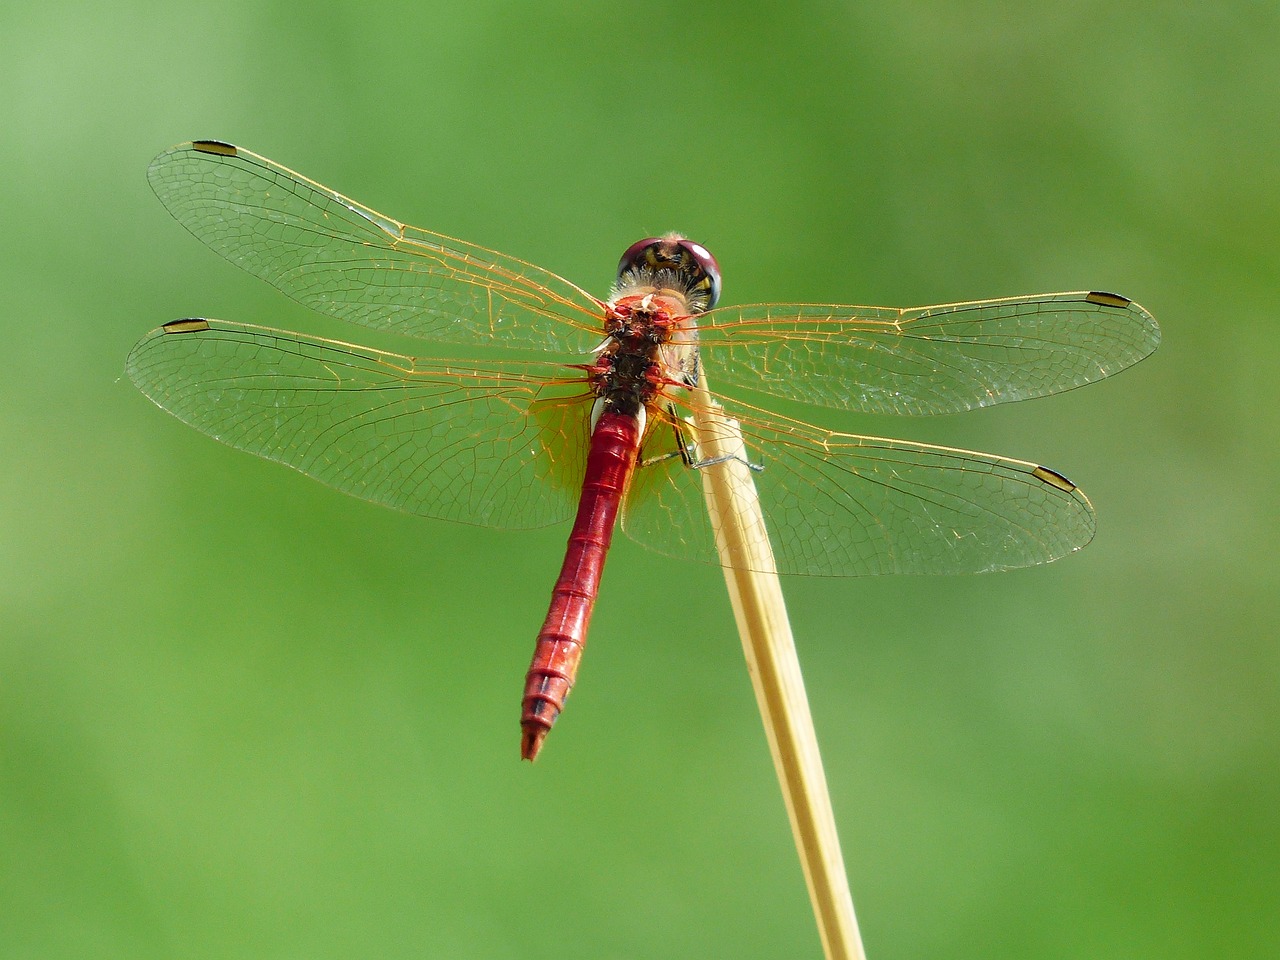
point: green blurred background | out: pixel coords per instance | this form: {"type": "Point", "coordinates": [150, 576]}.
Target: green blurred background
{"type": "Point", "coordinates": [244, 716]}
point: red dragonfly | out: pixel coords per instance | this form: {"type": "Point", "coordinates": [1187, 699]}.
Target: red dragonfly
{"type": "Point", "coordinates": [604, 428]}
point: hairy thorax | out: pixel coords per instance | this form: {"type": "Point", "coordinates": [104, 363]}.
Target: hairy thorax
{"type": "Point", "coordinates": [650, 350]}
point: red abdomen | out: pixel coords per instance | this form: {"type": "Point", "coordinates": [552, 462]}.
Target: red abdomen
{"type": "Point", "coordinates": [614, 444]}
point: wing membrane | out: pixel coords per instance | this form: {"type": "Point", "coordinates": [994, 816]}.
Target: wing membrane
{"type": "Point", "coordinates": [342, 258]}
{"type": "Point", "coordinates": [839, 504]}
{"type": "Point", "coordinates": [500, 445]}
{"type": "Point", "coordinates": [926, 360]}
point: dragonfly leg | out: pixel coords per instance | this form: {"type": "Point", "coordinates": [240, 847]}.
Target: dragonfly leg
{"type": "Point", "coordinates": [712, 461]}
{"type": "Point", "coordinates": [687, 447]}
{"type": "Point", "coordinates": [688, 452]}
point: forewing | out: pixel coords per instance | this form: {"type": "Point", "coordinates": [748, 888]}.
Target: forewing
{"type": "Point", "coordinates": [925, 360]}
{"type": "Point", "coordinates": [846, 505]}
{"type": "Point", "coordinates": [499, 445]}
{"type": "Point", "coordinates": [342, 258]}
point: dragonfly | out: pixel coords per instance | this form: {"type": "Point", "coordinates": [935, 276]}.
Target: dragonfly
{"type": "Point", "coordinates": [581, 407]}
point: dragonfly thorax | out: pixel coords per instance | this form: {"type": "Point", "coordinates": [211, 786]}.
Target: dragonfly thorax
{"type": "Point", "coordinates": [651, 346]}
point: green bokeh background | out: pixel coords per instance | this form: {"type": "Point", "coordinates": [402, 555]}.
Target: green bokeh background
{"type": "Point", "coordinates": [244, 716]}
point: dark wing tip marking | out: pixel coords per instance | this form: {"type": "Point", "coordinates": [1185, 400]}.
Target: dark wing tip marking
{"type": "Point", "coordinates": [214, 146]}
{"type": "Point", "coordinates": [1054, 479]}
{"type": "Point", "coordinates": [1108, 299]}
{"type": "Point", "coordinates": [191, 325]}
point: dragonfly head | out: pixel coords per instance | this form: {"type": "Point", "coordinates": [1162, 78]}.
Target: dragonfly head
{"type": "Point", "coordinates": [670, 264]}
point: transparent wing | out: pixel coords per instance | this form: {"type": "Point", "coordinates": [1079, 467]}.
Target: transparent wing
{"type": "Point", "coordinates": [343, 259]}
{"type": "Point", "coordinates": [925, 360]}
{"type": "Point", "coordinates": [838, 504]}
{"type": "Point", "coordinates": [499, 445]}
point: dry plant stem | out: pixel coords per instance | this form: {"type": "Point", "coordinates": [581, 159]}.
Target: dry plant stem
{"type": "Point", "coordinates": [761, 615]}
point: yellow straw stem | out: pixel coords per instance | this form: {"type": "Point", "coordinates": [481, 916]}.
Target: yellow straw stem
{"type": "Point", "coordinates": [751, 576]}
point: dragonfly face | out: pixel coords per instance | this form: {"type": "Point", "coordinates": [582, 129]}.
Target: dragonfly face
{"type": "Point", "coordinates": [512, 443]}
{"type": "Point", "coordinates": [670, 264]}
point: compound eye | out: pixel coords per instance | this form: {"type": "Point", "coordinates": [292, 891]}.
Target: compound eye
{"type": "Point", "coordinates": [708, 267]}
{"type": "Point", "coordinates": [691, 262]}
{"type": "Point", "coordinates": [638, 255]}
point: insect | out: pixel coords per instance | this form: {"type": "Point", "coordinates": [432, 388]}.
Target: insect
{"type": "Point", "coordinates": [580, 407]}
